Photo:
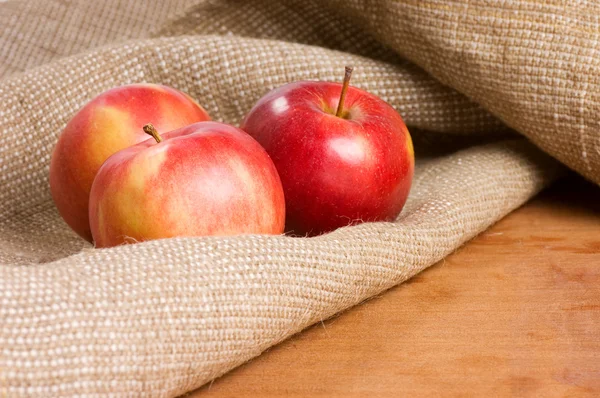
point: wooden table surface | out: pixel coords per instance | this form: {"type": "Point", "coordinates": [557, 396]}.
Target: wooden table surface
{"type": "Point", "coordinates": [515, 312]}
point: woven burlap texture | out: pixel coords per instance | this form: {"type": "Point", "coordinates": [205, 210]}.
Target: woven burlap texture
{"type": "Point", "coordinates": [164, 317]}
{"type": "Point", "coordinates": [534, 64]}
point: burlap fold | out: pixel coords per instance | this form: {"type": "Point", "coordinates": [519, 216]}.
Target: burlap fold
{"type": "Point", "coordinates": [161, 318]}
{"type": "Point", "coordinates": [533, 64]}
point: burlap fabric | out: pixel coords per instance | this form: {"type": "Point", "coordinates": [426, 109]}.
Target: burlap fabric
{"type": "Point", "coordinates": [164, 317]}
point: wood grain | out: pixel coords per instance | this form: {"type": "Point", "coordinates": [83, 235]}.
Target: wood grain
{"type": "Point", "coordinates": [515, 312]}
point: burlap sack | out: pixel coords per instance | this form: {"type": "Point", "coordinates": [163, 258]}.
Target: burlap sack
{"type": "Point", "coordinates": [164, 317]}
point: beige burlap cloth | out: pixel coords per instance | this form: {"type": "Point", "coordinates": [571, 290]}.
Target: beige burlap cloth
{"type": "Point", "coordinates": [164, 317]}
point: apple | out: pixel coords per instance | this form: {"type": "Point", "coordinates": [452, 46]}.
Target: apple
{"type": "Point", "coordinates": [108, 123]}
{"type": "Point", "coordinates": [207, 178]}
{"type": "Point", "coordinates": [344, 155]}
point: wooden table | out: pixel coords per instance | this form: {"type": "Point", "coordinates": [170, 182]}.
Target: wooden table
{"type": "Point", "coordinates": [515, 312]}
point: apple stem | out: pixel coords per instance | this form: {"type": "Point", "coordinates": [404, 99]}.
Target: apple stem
{"type": "Point", "coordinates": [150, 130]}
{"type": "Point", "coordinates": [347, 75]}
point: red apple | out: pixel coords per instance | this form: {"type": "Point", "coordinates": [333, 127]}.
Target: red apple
{"type": "Point", "coordinates": [108, 123]}
{"type": "Point", "coordinates": [344, 155]}
{"type": "Point", "coordinates": [208, 178]}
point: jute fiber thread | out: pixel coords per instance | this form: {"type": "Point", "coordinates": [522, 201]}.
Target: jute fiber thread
{"type": "Point", "coordinates": [164, 317]}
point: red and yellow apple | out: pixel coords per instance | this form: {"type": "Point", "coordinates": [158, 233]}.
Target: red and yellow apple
{"type": "Point", "coordinates": [344, 155]}
{"type": "Point", "coordinates": [110, 122]}
{"type": "Point", "coordinates": [208, 178]}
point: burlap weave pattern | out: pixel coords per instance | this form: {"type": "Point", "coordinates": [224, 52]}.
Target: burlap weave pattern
{"type": "Point", "coordinates": [33, 33]}
{"type": "Point", "coordinates": [161, 318]}
{"type": "Point", "coordinates": [534, 64]}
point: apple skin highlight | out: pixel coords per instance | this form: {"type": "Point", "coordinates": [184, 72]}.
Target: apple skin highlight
{"type": "Point", "coordinates": [335, 171]}
{"type": "Point", "coordinates": [208, 178]}
{"type": "Point", "coordinates": [108, 123]}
